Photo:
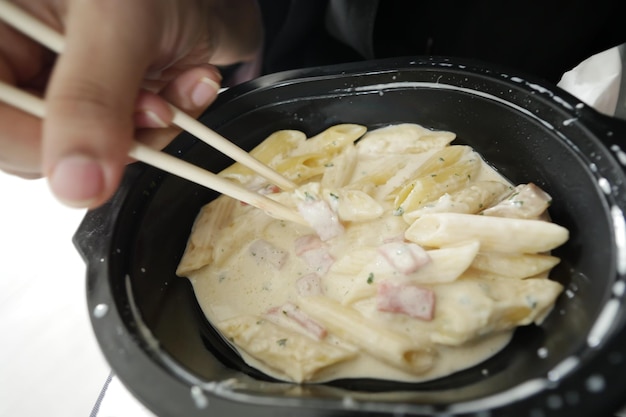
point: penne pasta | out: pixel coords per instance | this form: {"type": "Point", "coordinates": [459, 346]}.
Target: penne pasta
{"type": "Point", "coordinates": [403, 138]}
{"type": "Point", "coordinates": [332, 140]}
{"type": "Point", "coordinates": [387, 346]}
{"type": "Point", "coordinates": [276, 147]}
{"type": "Point", "coordinates": [353, 205]}
{"type": "Point", "coordinates": [513, 265]}
{"type": "Point", "coordinates": [447, 263]}
{"type": "Point", "coordinates": [443, 158]}
{"type": "Point", "coordinates": [199, 251]}
{"type": "Point", "coordinates": [497, 234]}
{"type": "Point", "coordinates": [469, 308]}
{"type": "Point", "coordinates": [338, 172]}
{"type": "Point", "coordinates": [430, 187]}
{"type": "Point", "coordinates": [470, 200]}
{"type": "Point", "coordinates": [300, 356]}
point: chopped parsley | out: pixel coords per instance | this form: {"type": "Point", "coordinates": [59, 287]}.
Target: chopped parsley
{"type": "Point", "coordinates": [282, 342]}
{"type": "Point", "coordinates": [370, 278]}
{"type": "Point", "coordinates": [399, 211]}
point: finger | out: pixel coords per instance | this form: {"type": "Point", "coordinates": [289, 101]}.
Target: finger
{"type": "Point", "coordinates": [21, 55]}
{"type": "Point", "coordinates": [90, 100]}
{"type": "Point", "coordinates": [192, 92]}
{"type": "Point", "coordinates": [20, 143]}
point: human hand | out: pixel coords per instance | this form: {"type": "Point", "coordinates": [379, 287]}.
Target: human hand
{"type": "Point", "coordinates": [121, 61]}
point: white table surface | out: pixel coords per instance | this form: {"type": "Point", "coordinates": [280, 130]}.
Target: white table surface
{"type": "Point", "coordinates": [50, 363]}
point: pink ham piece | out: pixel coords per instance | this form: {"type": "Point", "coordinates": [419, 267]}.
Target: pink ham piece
{"type": "Point", "coordinates": [292, 312]}
{"type": "Point", "coordinates": [314, 252]}
{"type": "Point", "coordinates": [528, 201]}
{"type": "Point", "coordinates": [405, 257]}
{"type": "Point", "coordinates": [309, 285]}
{"type": "Point", "coordinates": [319, 215]}
{"type": "Point", "coordinates": [409, 299]}
{"type": "Point", "coordinates": [269, 189]}
{"type": "Point", "coordinates": [264, 251]}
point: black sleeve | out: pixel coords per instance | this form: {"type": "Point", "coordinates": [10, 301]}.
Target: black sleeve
{"type": "Point", "coordinates": [541, 38]}
{"type": "Point", "coordinates": [296, 36]}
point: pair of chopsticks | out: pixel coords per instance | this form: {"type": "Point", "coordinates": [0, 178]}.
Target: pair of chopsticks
{"type": "Point", "coordinates": [29, 103]}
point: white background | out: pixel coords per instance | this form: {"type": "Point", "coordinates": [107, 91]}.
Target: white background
{"type": "Point", "coordinates": [50, 363]}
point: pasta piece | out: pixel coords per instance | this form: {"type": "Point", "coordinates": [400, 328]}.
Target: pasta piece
{"type": "Point", "coordinates": [430, 187]}
{"type": "Point", "coordinates": [289, 315]}
{"type": "Point", "coordinates": [331, 141]}
{"type": "Point", "coordinates": [513, 265]}
{"type": "Point", "coordinates": [353, 205]}
{"type": "Point", "coordinates": [209, 222]}
{"type": "Point", "coordinates": [270, 151]}
{"type": "Point", "coordinates": [497, 234]}
{"type": "Point", "coordinates": [388, 346]}
{"type": "Point", "coordinates": [259, 221]}
{"type": "Point", "coordinates": [315, 155]}
{"type": "Point", "coordinates": [469, 308]}
{"type": "Point", "coordinates": [470, 200]}
{"type": "Point", "coordinates": [300, 357]}
{"type": "Point", "coordinates": [444, 158]}
{"type": "Point", "coordinates": [447, 263]}
{"type": "Point", "coordinates": [403, 138]}
{"type": "Point", "coordinates": [301, 168]}
{"type": "Point", "coordinates": [380, 176]}
{"type": "Point", "coordinates": [339, 171]}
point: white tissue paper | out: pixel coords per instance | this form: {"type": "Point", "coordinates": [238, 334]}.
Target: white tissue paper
{"type": "Point", "coordinates": [596, 81]}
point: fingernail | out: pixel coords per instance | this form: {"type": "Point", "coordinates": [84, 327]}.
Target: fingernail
{"type": "Point", "coordinates": [77, 180]}
{"type": "Point", "coordinates": [204, 92]}
{"type": "Point", "coordinates": [148, 118]}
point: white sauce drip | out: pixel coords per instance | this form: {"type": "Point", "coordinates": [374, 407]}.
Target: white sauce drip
{"type": "Point", "coordinates": [604, 322]}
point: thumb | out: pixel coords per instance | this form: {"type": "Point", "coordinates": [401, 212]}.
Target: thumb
{"type": "Point", "coordinates": [88, 127]}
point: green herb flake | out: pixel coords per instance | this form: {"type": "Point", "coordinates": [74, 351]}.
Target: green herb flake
{"type": "Point", "coordinates": [370, 278]}
{"type": "Point", "coordinates": [282, 342]}
{"type": "Point", "coordinates": [399, 211]}
{"type": "Point", "coordinates": [334, 196]}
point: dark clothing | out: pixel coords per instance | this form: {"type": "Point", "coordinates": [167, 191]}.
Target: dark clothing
{"type": "Point", "coordinates": [543, 38]}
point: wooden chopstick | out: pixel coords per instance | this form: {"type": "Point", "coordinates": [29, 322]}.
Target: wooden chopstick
{"type": "Point", "coordinates": [36, 106]}
{"type": "Point", "coordinates": [33, 28]}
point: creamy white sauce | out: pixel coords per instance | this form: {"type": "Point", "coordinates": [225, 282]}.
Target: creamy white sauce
{"type": "Point", "coordinates": [240, 282]}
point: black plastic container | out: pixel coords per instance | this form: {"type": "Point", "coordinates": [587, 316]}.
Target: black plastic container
{"type": "Point", "coordinates": [157, 341]}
